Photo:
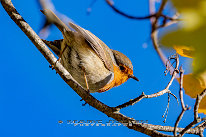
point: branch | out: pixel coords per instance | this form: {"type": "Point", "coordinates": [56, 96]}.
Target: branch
{"type": "Point", "coordinates": [184, 108]}
{"type": "Point", "coordinates": [155, 15]}
{"type": "Point", "coordinates": [154, 26]}
{"type": "Point", "coordinates": [201, 127]}
{"type": "Point", "coordinates": [111, 4]}
{"type": "Point", "coordinates": [160, 93]}
{"type": "Point", "coordinates": [147, 129]}
{"type": "Point", "coordinates": [173, 20]}
{"type": "Point", "coordinates": [196, 118]}
{"type": "Point", "coordinates": [197, 103]}
{"type": "Point", "coordinates": [110, 112]}
{"type": "Point", "coordinates": [154, 19]}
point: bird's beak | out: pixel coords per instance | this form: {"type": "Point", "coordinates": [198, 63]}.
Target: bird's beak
{"type": "Point", "coordinates": [135, 78]}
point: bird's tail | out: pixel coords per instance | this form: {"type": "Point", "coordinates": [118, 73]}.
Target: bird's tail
{"type": "Point", "coordinates": [52, 17]}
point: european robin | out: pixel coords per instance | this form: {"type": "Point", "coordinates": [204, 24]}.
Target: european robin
{"type": "Point", "coordinates": [91, 63]}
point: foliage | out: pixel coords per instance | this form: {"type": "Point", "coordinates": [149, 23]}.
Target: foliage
{"type": "Point", "coordinates": [189, 41]}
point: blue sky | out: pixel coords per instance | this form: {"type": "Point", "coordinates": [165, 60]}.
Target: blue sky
{"type": "Point", "coordinates": [33, 98]}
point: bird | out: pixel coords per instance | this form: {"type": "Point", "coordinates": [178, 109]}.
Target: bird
{"type": "Point", "coordinates": [95, 66]}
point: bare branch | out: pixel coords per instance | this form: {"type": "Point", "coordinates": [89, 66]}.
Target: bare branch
{"type": "Point", "coordinates": [155, 27]}
{"type": "Point", "coordinates": [160, 93]}
{"type": "Point", "coordinates": [154, 18]}
{"type": "Point", "coordinates": [181, 88]}
{"type": "Point", "coordinates": [184, 108]}
{"type": "Point", "coordinates": [131, 102]}
{"type": "Point", "coordinates": [167, 109]}
{"type": "Point", "coordinates": [111, 4]}
{"type": "Point", "coordinates": [197, 103]}
{"type": "Point", "coordinates": [196, 118]}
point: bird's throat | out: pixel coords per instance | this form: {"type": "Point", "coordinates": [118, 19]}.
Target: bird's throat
{"type": "Point", "coordinates": [119, 78]}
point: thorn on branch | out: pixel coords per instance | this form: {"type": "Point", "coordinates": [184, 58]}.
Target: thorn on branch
{"type": "Point", "coordinates": [174, 97]}
{"type": "Point", "coordinates": [84, 104]}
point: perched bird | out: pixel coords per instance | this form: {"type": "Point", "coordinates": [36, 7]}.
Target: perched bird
{"type": "Point", "coordinates": [91, 63]}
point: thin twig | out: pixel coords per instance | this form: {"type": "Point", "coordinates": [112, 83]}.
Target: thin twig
{"type": "Point", "coordinates": [163, 25]}
{"type": "Point", "coordinates": [111, 4]}
{"type": "Point", "coordinates": [162, 92]}
{"type": "Point", "coordinates": [197, 103]}
{"type": "Point", "coordinates": [154, 18]}
{"type": "Point", "coordinates": [177, 122]}
{"type": "Point", "coordinates": [131, 102]}
{"type": "Point", "coordinates": [167, 109]}
{"type": "Point", "coordinates": [201, 128]}
{"type": "Point", "coordinates": [184, 108]}
{"type": "Point", "coordinates": [174, 97]}
{"type": "Point", "coordinates": [181, 88]}
{"type": "Point", "coordinates": [154, 26]}
{"type": "Point", "coordinates": [203, 124]}
{"type": "Point", "coordinates": [196, 118]}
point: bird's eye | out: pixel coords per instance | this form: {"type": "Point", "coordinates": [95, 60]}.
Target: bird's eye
{"type": "Point", "coordinates": [121, 68]}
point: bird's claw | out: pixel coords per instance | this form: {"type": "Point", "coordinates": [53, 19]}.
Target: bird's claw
{"type": "Point", "coordinates": [84, 104]}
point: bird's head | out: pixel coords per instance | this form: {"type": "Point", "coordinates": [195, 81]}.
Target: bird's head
{"type": "Point", "coordinates": [125, 68]}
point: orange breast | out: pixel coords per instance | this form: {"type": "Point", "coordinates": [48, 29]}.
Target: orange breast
{"type": "Point", "coordinates": [119, 78]}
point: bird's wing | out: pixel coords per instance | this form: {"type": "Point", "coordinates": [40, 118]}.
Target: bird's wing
{"type": "Point", "coordinates": [103, 52]}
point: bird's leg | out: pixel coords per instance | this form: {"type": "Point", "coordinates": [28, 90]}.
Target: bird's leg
{"type": "Point", "coordinates": [87, 85]}
{"type": "Point", "coordinates": [60, 56]}
{"type": "Point", "coordinates": [83, 103]}
{"type": "Point", "coordinates": [61, 53]}
{"type": "Point", "coordinates": [85, 78]}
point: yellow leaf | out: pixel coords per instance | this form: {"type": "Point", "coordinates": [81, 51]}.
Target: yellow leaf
{"type": "Point", "coordinates": [185, 51]}
{"type": "Point", "coordinates": [191, 32]}
{"type": "Point", "coordinates": [202, 111]}
{"type": "Point", "coordinates": [193, 86]}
